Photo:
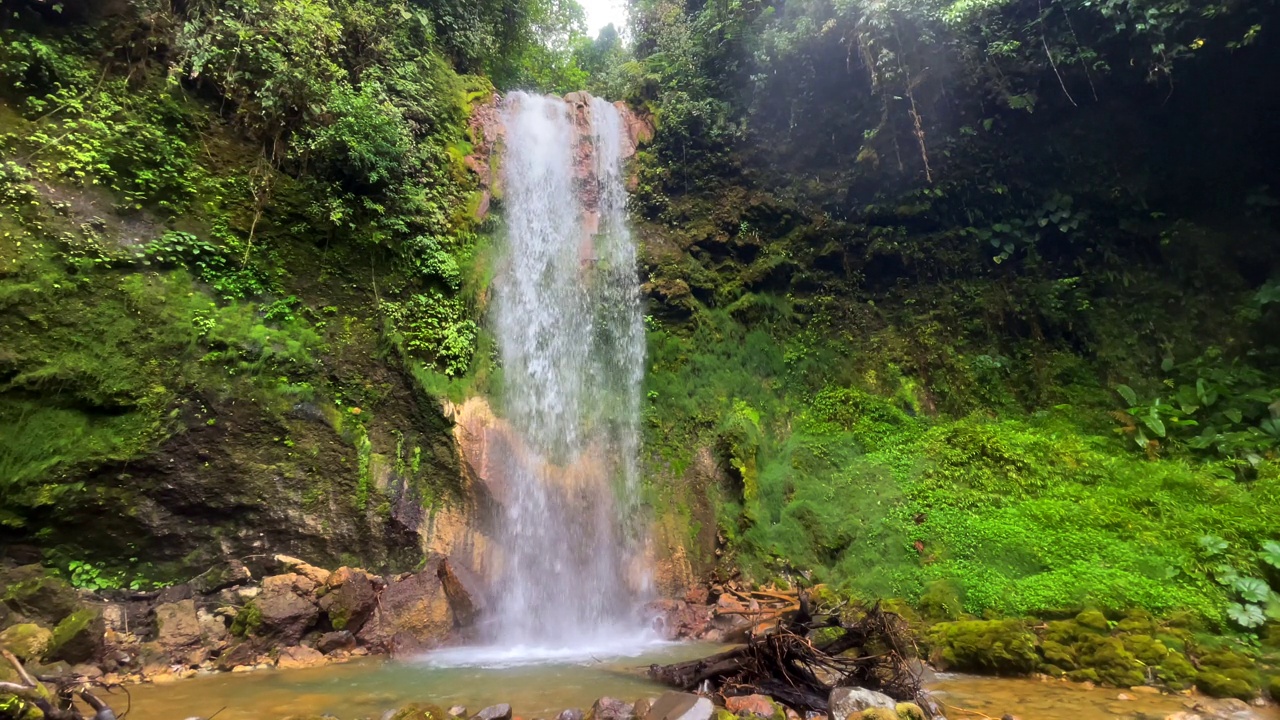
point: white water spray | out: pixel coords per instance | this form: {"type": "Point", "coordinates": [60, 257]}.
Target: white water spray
{"type": "Point", "coordinates": [567, 318]}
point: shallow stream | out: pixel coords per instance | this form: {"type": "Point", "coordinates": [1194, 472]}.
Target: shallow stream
{"type": "Point", "coordinates": [368, 688]}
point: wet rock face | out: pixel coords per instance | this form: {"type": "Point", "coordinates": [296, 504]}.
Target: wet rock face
{"type": "Point", "coordinates": [177, 626]}
{"type": "Point", "coordinates": [413, 614]}
{"type": "Point", "coordinates": [488, 135]}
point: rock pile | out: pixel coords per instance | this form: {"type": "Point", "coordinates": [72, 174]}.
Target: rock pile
{"type": "Point", "coordinates": [292, 615]}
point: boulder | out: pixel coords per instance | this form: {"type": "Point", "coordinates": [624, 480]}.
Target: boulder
{"type": "Point", "coordinates": [33, 593]}
{"type": "Point", "coordinates": [351, 597]}
{"type": "Point", "coordinates": [494, 712]}
{"type": "Point", "coordinates": [751, 706]}
{"type": "Point", "coordinates": [413, 613]}
{"type": "Point", "coordinates": [458, 711]}
{"type": "Point", "coordinates": [240, 654]}
{"type": "Point", "coordinates": [319, 576]}
{"type": "Point", "coordinates": [680, 706]}
{"type": "Point", "coordinates": [28, 641]}
{"type": "Point", "coordinates": [846, 701]}
{"type": "Point", "coordinates": [284, 609]}
{"type": "Point", "coordinates": [220, 577]}
{"type": "Point", "coordinates": [298, 656]}
{"type": "Point", "coordinates": [79, 637]}
{"type": "Point", "coordinates": [177, 625]}
{"type": "Point", "coordinates": [336, 641]}
{"type": "Point", "coordinates": [607, 708]}
{"type": "Point", "coordinates": [641, 707]}
{"type": "Point", "coordinates": [570, 714]}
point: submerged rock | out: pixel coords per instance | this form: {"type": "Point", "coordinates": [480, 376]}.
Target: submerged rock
{"type": "Point", "coordinates": [570, 714]}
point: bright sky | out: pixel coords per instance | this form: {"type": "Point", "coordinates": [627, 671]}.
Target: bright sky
{"type": "Point", "coordinates": [603, 12]}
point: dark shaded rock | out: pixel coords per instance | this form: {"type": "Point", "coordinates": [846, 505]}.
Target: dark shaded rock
{"type": "Point", "coordinates": [460, 589]}
{"type": "Point", "coordinates": [334, 641]}
{"type": "Point", "coordinates": [32, 592]}
{"type": "Point", "coordinates": [177, 626]}
{"type": "Point", "coordinates": [79, 637]}
{"type": "Point", "coordinates": [607, 708]}
{"type": "Point", "coordinates": [241, 653]}
{"type": "Point", "coordinates": [174, 593]}
{"type": "Point", "coordinates": [680, 706]}
{"type": "Point", "coordinates": [220, 577]}
{"type": "Point", "coordinates": [281, 611]}
{"type": "Point", "coordinates": [351, 598]}
{"type": "Point", "coordinates": [494, 712]}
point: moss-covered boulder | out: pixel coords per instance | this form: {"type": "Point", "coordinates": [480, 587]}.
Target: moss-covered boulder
{"type": "Point", "coordinates": [420, 711]}
{"type": "Point", "coordinates": [31, 591]}
{"type": "Point", "coordinates": [28, 641]}
{"type": "Point", "coordinates": [1225, 673]}
{"type": "Point", "coordinates": [878, 714]}
{"type": "Point", "coordinates": [910, 711]}
{"type": "Point", "coordinates": [1273, 687]}
{"type": "Point", "coordinates": [1105, 660]}
{"type": "Point", "coordinates": [1176, 672]}
{"type": "Point", "coordinates": [79, 637]}
{"type": "Point", "coordinates": [1001, 647]}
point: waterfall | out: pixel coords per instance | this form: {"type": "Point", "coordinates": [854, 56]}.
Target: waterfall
{"type": "Point", "coordinates": [567, 318]}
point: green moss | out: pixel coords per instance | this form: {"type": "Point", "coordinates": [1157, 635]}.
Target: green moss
{"type": "Point", "coordinates": [878, 714]}
{"type": "Point", "coordinates": [78, 637]}
{"type": "Point", "coordinates": [1002, 647]}
{"type": "Point", "coordinates": [1111, 662]}
{"type": "Point", "coordinates": [1176, 672]}
{"type": "Point", "coordinates": [28, 641]}
{"type": "Point", "coordinates": [1093, 620]}
{"type": "Point", "coordinates": [247, 621]}
{"type": "Point", "coordinates": [909, 711]}
{"type": "Point", "coordinates": [1223, 684]}
{"type": "Point", "coordinates": [1273, 687]}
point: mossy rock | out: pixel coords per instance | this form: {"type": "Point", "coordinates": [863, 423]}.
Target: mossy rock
{"type": "Point", "coordinates": [1093, 620]}
{"type": "Point", "coordinates": [1273, 687]}
{"type": "Point", "coordinates": [941, 601]}
{"type": "Point", "coordinates": [910, 711]}
{"type": "Point", "coordinates": [1147, 649]}
{"type": "Point", "coordinates": [247, 621]}
{"type": "Point", "coordinates": [1176, 672]}
{"type": "Point", "coordinates": [420, 711]}
{"type": "Point", "coordinates": [28, 641]}
{"type": "Point", "coordinates": [878, 714]}
{"type": "Point", "coordinates": [33, 592]}
{"type": "Point", "coordinates": [1058, 654]}
{"type": "Point", "coordinates": [1112, 662]}
{"type": "Point", "coordinates": [723, 714]}
{"type": "Point", "coordinates": [1001, 647]}
{"type": "Point", "coordinates": [1137, 622]}
{"type": "Point", "coordinates": [78, 638]}
{"type": "Point", "coordinates": [1228, 683]}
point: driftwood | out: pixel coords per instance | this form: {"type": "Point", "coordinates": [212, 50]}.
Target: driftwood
{"type": "Point", "coordinates": [57, 705]}
{"type": "Point", "coordinates": [873, 651]}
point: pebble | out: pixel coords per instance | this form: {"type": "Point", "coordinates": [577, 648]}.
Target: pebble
{"type": "Point", "coordinates": [1124, 696]}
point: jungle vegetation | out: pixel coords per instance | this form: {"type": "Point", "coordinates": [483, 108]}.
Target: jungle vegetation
{"type": "Point", "coordinates": [972, 304]}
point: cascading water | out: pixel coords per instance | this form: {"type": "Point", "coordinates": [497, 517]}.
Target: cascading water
{"type": "Point", "coordinates": [567, 318]}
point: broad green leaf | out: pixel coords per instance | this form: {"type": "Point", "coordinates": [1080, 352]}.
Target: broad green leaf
{"type": "Point", "coordinates": [1213, 545]}
{"type": "Point", "coordinates": [1249, 616]}
{"type": "Point", "coordinates": [1166, 364]}
{"type": "Point", "coordinates": [1270, 553]}
{"type": "Point", "coordinates": [1234, 415]}
{"type": "Point", "coordinates": [1252, 589]}
{"type": "Point", "coordinates": [1225, 574]}
{"type": "Point", "coordinates": [1154, 422]}
{"type": "Point", "coordinates": [1128, 394]}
